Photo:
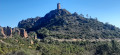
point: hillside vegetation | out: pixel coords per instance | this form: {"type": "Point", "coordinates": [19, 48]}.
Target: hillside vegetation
{"type": "Point", "coordinates": [46, 46]}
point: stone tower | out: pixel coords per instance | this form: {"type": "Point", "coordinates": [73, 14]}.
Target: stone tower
{"type": "Point", "coordinates": [58, 6]}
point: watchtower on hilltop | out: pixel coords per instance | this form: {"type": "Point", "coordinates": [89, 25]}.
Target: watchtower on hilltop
{"type": "Point", "coordinates": [58, 6]}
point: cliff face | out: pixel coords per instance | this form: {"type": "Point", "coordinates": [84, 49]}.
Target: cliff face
{"type": "Point", "coordinates": [23, 33]}
{"type": "Point", "coordinates": [2, 33]}
{"type": "Point", "coordinates": [9, 32]}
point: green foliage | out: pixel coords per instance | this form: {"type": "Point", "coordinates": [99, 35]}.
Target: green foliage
{"type": "Point", "coordinates": [32, 34]}
{"type": "Point", "coordinates": [43, 32]}
{"type": "Point", "coordinates": [106, 49]}
{"type": "Point", "coordinates": [17, 53]}
{"type": "Point", "coordinates": [28, 24]}
{"type": "Point", "coordinates": [48, 46]}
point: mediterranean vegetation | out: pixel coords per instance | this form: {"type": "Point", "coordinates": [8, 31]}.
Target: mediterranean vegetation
{"type": "Point", "coordinates": [21, 46]}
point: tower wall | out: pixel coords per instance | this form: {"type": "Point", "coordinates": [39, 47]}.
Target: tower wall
{"type": "Point", "coordinates": [58, 6]}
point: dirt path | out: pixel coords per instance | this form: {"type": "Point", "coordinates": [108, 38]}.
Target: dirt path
{"type": "Point", "coordinates": [91, 40]}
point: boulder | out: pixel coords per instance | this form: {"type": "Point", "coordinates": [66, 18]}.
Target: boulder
{"type": "Point", "coordinates": [35, 37]}
{"type": "Point", "coordinates": [31, 42]}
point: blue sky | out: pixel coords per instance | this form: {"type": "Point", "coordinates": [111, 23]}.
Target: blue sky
{"type": "Point", "coordinates": [13, 11]}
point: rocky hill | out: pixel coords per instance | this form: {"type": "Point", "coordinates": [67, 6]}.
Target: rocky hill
{"type": "Point", "coordinates": [60, 23]}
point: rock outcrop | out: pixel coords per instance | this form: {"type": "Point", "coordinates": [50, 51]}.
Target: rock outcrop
{"type": "Point", "coordinates": [31, 42]}
{"type": "Point", "coordinates": [16, 31]}
{"type": "Point", "coordinates": [2, 33]}
{"type": "Point", "coordinates": [9, 32]}
{"type": "Point", "coordinates": [23, 33]}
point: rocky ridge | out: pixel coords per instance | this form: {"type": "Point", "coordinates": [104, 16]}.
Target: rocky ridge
{"type": "Point", "coordinates": [9, 32]}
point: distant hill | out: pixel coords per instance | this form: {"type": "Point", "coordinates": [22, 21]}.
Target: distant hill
{"type": "Point", "coordinates": [60, 23]}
